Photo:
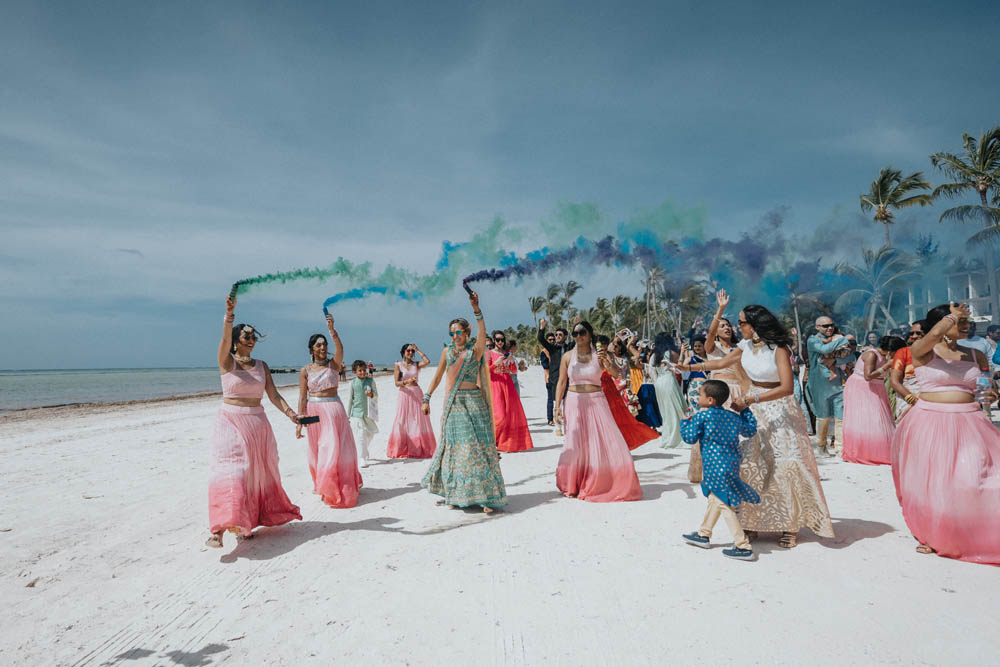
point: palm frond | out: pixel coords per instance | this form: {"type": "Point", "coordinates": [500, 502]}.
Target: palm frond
{"type": "Point", "coordinates": [988, 236]}
{"type": "Point", "coordinates": [915, 200]}
{"type": "Point", "coordinates": [850, 297]}
{"type": "Point", "coordinates": [954, 166]}
{"type": "Point", "coordinates": [987, 215]}
{"type": "Point", "coordinates": [951, 190]}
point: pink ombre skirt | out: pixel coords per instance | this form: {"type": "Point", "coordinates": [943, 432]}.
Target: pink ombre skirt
{"type": "Point", "coordinates": [946, 467]}
{"type": "Point", "coordinates": [412, 435]}
{"type": "Point", "coordinates": [595, 463]}
{"type": "Point", "coordinates": [244, 486]}
{"type": "Point", "coordinates": [333, 456]}
{"type": "Point", "coordinates": [868, 422]}
{"type": "Point", "coordinates": [509, 423]}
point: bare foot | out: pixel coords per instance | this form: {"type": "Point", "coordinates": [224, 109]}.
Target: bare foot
{"type": "Point", "coordinates": [451, 507]}
{"type": "Point", "coordinates": [215, 541]}
{"type": "Point", "coordinates": [488, 510]}
{"type": "Point", "coordinates": [924, 549]}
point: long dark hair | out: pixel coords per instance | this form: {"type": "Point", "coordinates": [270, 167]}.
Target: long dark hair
{"type": "Point", "coordinates": [312, 341]}
{"type": "Point", "coordinates": [402, 350]}
{"type": "Point", "coordinates": [766, 326]}
{"type": "Point", "coordinates": [935, 315]}
{"type": "Point", "coordinates": [663, 344]}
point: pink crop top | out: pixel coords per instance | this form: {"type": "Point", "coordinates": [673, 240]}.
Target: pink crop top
{"type": "Point", "coordinates": [322, 380]}
{"type": "Point", "coordinates": [584, 373]}
{"type": "Point", "coordinates": [239, 383]}
{"type": "Point", "coordinates": [943, 375]}
{"type": "Point", "coordinates": [410, 372]}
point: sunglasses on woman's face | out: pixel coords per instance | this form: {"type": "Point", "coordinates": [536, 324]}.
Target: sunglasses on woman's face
{"type": "Point", "coordinates": [579, 332]}
{"type": "Point", "coordinates": [498, 340]}
{"type": "Point", "coordinates": [455, 333]}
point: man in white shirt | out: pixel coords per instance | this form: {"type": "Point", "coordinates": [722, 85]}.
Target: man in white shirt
{"type": "Point", "coordinates": [984, 345]}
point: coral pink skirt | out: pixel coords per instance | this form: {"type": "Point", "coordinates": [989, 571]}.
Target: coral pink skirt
{"type": "Point", "coordinates": [946, 467]}
{"type": "Point", "coordinates": [333, 456]}
{"type": "Point", "coordinates": [412, 435]}
{"type": "Point", "coordinates": [595, 463]}
{"type": "Point", "coordinates": [868, 422]}
{"type": "Point", "coordinates": [509, 423]}
{"type": "Point", "coordinates": [244, 487]}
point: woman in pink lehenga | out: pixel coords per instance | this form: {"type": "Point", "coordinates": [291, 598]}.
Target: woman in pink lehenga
{"type": "Point", "coordinates": [595, 463]}
{"type": "Point", "coordinates": [244, 487]}
{"type": "Point", "coordinates": [412, 434]}
{"type": "Point", "coordinates": [510, 424]}
{"type": "Point", "coordinates": [333, 454]}
{"type": "Point", "coordinates": [868, 420]}
{"type": "Point", "coordinates": [946, 453]}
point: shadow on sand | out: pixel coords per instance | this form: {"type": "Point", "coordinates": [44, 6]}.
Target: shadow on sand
{"type": "Point", "coordinates": [847, 531]}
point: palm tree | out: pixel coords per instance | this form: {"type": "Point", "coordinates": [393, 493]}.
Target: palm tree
{"type": "Point", "coordinates": [883, 271]}
{"type": "Point", "coordinates": [569, 289]}
{"type": "Point", "coordinates": [978, 171]}
{"type": "Point", "coordinates": [618, 308]}
{"type": "Point", "coordinates": [551, 294]}
{"type": "Point", "coordinates": [889, 191]}
{"type": "Point", "coordinates": [796, 299]}
{"type": "Point", "coordinates": [536, 303]}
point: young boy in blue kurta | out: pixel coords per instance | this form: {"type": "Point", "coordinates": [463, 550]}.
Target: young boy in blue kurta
{"type": "Point", "coordinates": [719, 432]}
{"type": "Point", "coordinates": [360, 402]}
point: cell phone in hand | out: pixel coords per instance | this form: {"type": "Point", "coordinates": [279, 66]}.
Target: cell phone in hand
{"type": "Point", "coordinates": [305, 421]}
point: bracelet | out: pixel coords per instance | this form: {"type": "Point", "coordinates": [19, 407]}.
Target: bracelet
{"type": "Point", "coordinates": [289, 409]}
{"type": "Point", "coordinates": [950, 317]}
{"type": "Point", "coordinates": [229, 317]}
{"type": "Point", "coordinates": [478, 314]}
{"type": "Point", "coordinates": [427, 398]}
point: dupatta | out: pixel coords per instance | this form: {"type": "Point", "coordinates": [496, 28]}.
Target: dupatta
{"type": "Point", "coordinates": [457, 360]}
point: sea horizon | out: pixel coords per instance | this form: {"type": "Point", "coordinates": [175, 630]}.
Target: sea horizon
{"type": "Point", "coordinates": [23, 389]}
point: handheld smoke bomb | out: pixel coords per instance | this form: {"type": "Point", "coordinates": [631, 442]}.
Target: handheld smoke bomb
{"type": "Point", "coordinates": [232, 292]}
{"type": "Point", "coordinates": [465, 286]}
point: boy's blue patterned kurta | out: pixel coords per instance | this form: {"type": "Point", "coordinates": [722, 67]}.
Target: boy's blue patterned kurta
{"type": "Point", "coordinates": [719, 431]}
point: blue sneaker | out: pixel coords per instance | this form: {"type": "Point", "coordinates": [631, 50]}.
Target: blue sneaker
{"type": "Point", "coordinates": [738, 554]}
{"type": "Point", "coordinates": [696, 540]}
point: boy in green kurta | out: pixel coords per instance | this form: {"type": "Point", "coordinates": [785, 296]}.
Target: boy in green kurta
{"type": "Point", "coordinates": [362, 409]}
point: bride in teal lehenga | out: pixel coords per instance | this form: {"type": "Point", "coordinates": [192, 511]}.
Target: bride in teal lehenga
{"type": "Point", "coordinates": [465, 470]}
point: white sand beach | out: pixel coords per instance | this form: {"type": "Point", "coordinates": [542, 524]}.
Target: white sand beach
{"type": "Point", "coordinates": [103, 516]}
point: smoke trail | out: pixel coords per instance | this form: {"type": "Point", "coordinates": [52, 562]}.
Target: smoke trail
{"type": "Point", "coordinates": [342, 268]}
{"type": "Point", "coordinates": [362, 292]}
{"type": "Point", "coordinates": [606, 252]}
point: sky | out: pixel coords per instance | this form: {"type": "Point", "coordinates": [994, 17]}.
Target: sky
{"type": "Point", "coordinates": [153, 153]}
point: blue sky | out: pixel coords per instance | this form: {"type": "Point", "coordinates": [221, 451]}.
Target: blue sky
{"type": "Point", "coordinates": [155, 152]}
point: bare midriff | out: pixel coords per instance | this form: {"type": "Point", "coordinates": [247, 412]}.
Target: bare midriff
{"type": "Point", "coordinates": [468, 385]}
{"type": "Point", "coordinates": [946, 397]}
{"type": "Point", "coordinates": [765, 385]}
{"type": "Point", "coordinates": [242, 402]}
{"type": "Point", "coordinates": [326, 393]}
{"type": "Point", "coordinates": [584, 388]}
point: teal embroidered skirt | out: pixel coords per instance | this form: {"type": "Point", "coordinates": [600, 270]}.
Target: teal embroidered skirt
{"type": "Point", "coordinates": [465, 469]}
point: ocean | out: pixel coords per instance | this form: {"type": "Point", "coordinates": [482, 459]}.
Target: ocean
{"type": "Point", "coordinates": [43, 388]}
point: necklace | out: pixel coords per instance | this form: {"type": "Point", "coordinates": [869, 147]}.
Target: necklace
{"type": "Point", "coordinates": [240, 358]}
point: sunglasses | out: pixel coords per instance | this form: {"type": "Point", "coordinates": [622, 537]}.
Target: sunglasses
{"type": "Point", "coordinates": [579, 332]}
{"type": "Point", "coordinates": [741, 323]}
{"type": "Point", "coordinates": [914, 333]}
{"type": "Point", "coordinates": [455, 333]}
{"type": "Point", "coordinates": [825, 326]}
{"type": "Point", "coordinates": [500, 340]}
